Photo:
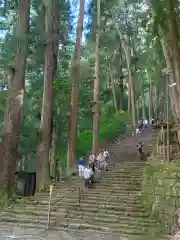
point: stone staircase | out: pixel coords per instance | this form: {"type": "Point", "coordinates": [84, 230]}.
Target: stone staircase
{"type": "Point", "coordinates": [112, 205]}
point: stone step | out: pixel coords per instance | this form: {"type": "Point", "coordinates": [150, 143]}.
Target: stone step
{"type": "Point", "coordinates": [132, 166]}
{"type": "Point", "coordinates": [26, 220]}
{"type": "Point", "coordinates": [119, 208]}
{"type": "Point", "coordinates": [59, 217]}
{"type": "Point", "coordinates": [120, 229]}
{"type": "Point", "coordinates": [31, 226]}
{"type": "Point", "coordinates": [119, 222]}
{"type": "Point", "coordinates": [115, 190]}
{"type": "Point", "coordinates": [115, 236]}
{"type": "Point", "coordinates": [62, 212]}
{"type": "Point", "coordinates": [110, 205]}
{"type": "Point", "coordinates": [100, 198]}
{"type": "Point", "coordinates": [77, 223]}
{"type": "Point", "coordinates": [123, 170]}
{"type": "Point", "coordinates": [84, 208]}
{"type": "Point", "coordinates": [123, 175]}
{"type": "Point", "coordinates": [122, 195]}
{"type": "Point", "coordinates": [114, 187]}
{"type": "Point", "coordinates": [121, 184]}
{"type": "Point", "coordinates": [74, 200]}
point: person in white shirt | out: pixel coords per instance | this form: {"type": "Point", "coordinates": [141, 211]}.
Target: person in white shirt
{"type": "Point", "coordinates": [81, 167]}
{"type": "Point", "coordinates": [137, 131]}
{"type": "Point", "coordinates": [100, 159]}
{"type": "Point", "coordinates": [145, 123]}
{"type": "Point", "coordinates": [106, 156]}
{"type": "Point", "coordinates": [91, 158]}
{"type": "Point", "coordinates": [87, 176]}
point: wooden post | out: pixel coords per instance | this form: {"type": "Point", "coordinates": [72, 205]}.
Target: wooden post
{"type": "Point", "coordinates": [164, 149]}
{"type": "Point", "coordinates": [49, 207]}
{"type": "Point", "coordinates": [167, 117]}
{"type": "Point", "coordinates": [79, 191]}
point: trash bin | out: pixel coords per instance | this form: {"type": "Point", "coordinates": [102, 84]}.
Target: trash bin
{"type": "Point", "coordinates": [25, 183]}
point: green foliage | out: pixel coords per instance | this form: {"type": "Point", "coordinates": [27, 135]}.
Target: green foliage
{"type": "Point", "coordinates": [160, 194]}
{"type": "Point", "coordinates": [110, 128]}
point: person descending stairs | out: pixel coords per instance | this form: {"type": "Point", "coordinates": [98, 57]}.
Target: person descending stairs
{"type": "Point", "coordinates": [112, 206]}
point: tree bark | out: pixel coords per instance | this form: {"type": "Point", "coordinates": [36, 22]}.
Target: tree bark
{"type": "Point", "coordinates": [46, 126]}
{"type": "Point", "coordinates": [137, 106]}
{"type": "Point", "coordinates": [131, 87]}
{"type": "Point", "coordinates": [173, 39]}
{"type": "Point", "coordinates": [155, 102]}
{"type": "Point", "coordinates": [96, 109]}
{"type": "Point", "coordinates": [113, 90]}
{"type": "Point", "coordinates": [169, 42]}
{"type": "Point", "coordinates": [143, 105]}
{"type": "Point", "coordinates": [121, 92]}
{"type": "Point", "coordinates": [10, 138]}
{"type": "Point", "coordinates": [129, 99]}
{"type": "Point", "coordinates": [133, 112]}
{"type": "Point", "coordinates": [121, 96]}
{"type": "Point", "coordinates": [75, 77]}
{"type": "Point", "coordinates": [173, 91]}
{"type": "Point", "coordinates": [51, 156]}
{"type": "Point", "coordinates": [150, 97]}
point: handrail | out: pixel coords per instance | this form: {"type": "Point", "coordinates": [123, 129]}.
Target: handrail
{"type": "Point", "coordinates": [64, 196]}
{"type": "Point", "coordinates": [128, 127]}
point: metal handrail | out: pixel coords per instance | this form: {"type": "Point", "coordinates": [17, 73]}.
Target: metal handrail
{"type": "Point", "coordinates": [128, 127]}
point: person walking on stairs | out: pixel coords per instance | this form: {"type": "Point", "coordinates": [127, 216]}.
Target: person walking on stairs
{"type": "Point", "coordinates": [81, 164]}
{"type": "Point", "coordinates": [100, 160]}
{"type": "Point", "coordinates": [140, 150]}
{"type": "Point", "coordinates": [106, 156]}
{"type": "Point", "coordinates": [91, 160]}
{"type": "Point", "coordinates": [87, 176]}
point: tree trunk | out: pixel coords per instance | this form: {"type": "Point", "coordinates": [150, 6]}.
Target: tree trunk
{"type": "Point", "coordinates": [12, 120]}
{"type": "Point", "coordinates": [51, 156]}
{"type": "Point", "coordinates": [143, 105]}
{"type": "Point", "coordinates": [121, 86]}
{"type": "Point", "coordinates": [113, 90]}
{"type": "Point", "coordinates": [173, 91]}
{"type": "Point", "coordinates": [137, 106]}
{"type": "Point", "coordinates": [173, 39]}
{"type": "Point", "coordinates": [155, 101]}
{"type": "Point", "coordinates": [149, 105]}
{"type": "Point", "coordinates": [121, 92]}
{"type": "Point", "coordinates": [131, 86]}
{"type": "Point", "coordinates": [171, 51]}
{"type": "Point", "coordinates": [75, 77]}
{"type": "Point", "coordinates": [121, 96]}
{"type": "Point", "coordinates": [46, 125]}
{"type": "Point", "coordinates": [129, 99]}
{"type": "Point", "coordinates": [133, 106]}
{"type": "Point", "coordinates": [96, 110]}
